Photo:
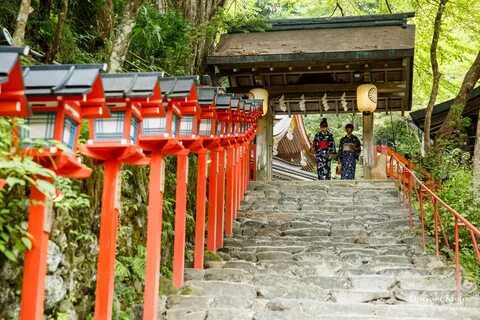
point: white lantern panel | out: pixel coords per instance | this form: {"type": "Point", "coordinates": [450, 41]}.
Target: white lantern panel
{"type": "Point", "coordinates": [205, 127]}
{"type": "Point", "coordinates": [154, 126]}
{"type": "Point", "coordinates": [175, 121]}
{"type": "Point", "coordinates": [39, 127]}
{"type": "Point", "coordinates": [186, 126]}
{"type": "Point", "coordinates": [134, 128]}
{"type": "Point", "coordinates": [69, 132]}
{"type": "Point", "coordinates": [110, 128]}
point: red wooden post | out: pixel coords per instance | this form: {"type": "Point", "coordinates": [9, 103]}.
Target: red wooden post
{"type": "Point", "coordinates": [235, 182]}
{"type": "Point", "coordinates": [212, 202]}
{"type": "Point", "coordinates": [180, 219]}
{"type": "Point", "coordinates": [154, 235]}
{"type": "Point", "coordinates": [200, 214]}
{"type": "Point", "coordinates": [220, 197]}
{"type": "Point", "coordinates": [108, 240]}
{"type": "Point", "coordinates": [229, 192]}
{"type": "Point", "coordinates": [35, 265]}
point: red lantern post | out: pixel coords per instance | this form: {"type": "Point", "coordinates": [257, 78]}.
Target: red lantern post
{"type": "Point", "coordinates": [59, 97]}
{"type": "Point", "coordinates": [12, 91]}
{"type": "Point", "coordinates": [217, 178]}
{"type": "Point", "coordinates": [206, 100]}
{"type": "Point", "coordinates": [181, 94]}
{"type": "Point", "coordinates": [115, 141]}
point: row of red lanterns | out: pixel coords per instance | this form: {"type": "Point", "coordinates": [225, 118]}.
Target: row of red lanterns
{"type": "Point", "coordinates": [137, 119]}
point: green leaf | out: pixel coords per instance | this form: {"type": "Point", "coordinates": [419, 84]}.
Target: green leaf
{"type": "Point", "coordinates": [12, 181]}
{"type": "Point", "coordinates": [4, 236]}
{"type": "Point", "coordinates": [10, 256]}
{"type": "Point", "coordinates": [45, 187]}
{"type": "Point", "coordinates": [27, 243]}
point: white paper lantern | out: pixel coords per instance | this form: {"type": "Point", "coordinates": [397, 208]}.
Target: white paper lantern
{"type": "Point", "coordinates": [259, 93]}
{"type": "Point", "coordinates": [366, 98]}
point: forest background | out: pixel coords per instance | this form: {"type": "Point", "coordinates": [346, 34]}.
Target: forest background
{"type": "Point", "coordinates": [175, 36]}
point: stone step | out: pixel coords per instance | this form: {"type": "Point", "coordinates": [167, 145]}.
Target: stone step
{"type": "Point", "coordinates": [320, 309]}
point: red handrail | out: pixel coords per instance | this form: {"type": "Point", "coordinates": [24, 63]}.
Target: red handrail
{"type": "Point", "coordinates": [409, 182]}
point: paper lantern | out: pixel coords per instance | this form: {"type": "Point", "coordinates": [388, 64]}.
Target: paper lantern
{"type": "Point", "coordinates": [259, 93]}
{"type": "Point", "coordinates": [366, 98]}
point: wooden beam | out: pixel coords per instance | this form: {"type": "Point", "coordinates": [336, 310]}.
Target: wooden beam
{"type": "Point", "coordinates": [396, 86]}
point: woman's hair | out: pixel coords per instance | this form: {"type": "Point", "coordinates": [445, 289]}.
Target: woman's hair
{"type": "Point", "coordinates": [324, 123]}
{"type": "Point", "coordinates": [349, 126]}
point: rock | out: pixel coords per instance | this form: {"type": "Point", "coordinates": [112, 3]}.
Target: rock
{"type": "Point", "coordinates": [54, 257]}
{"type": "Point", "coordinates": [55, 291]}
{"type": "Point", "coordinates": [66, 307]}
{"type": "Point", "coordinates": [214, 264]}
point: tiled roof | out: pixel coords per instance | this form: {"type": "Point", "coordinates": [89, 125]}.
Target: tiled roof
{"type": "Point", "coordinates": [140, 85]}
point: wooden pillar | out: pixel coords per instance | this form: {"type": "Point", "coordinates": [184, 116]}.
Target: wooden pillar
{"type": "Point", "coordinates": [265, 147]}
{"type": "Point", "coordinates": [108, 240]}
{"type": "Point", "coordinates": [235, 181]}
{"type": "Point", "coordinates": [200, 214]}
{"type": "Point", "coordinates": [220, 197]}
{"type": "Point", "coordinates": [212, 202]}
{"type": "Point", "coordinates": [368, 144]}
{"type": "Point", "coordinates": [180, 219]}
{"type": "Point", "coordinates": [229, 192]}
{"type": "Point", "coordinates": [154, 236]}
{"type": "Point", "coordinates": [35, 263]}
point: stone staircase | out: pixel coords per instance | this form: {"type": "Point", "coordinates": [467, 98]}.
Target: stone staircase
{"type": "Point", "coordinates": [323, 250]}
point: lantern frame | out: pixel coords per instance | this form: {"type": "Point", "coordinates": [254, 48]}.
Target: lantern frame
{"type": "Point", "coordinates": [206, 101]}
{"type": "Point", "coordinates": [12, 90]}
{"type": "Point", "coordinates": [66, 94]}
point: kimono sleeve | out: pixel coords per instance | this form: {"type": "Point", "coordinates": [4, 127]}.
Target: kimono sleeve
{"type": "Point", "coordinates": [331, 147]}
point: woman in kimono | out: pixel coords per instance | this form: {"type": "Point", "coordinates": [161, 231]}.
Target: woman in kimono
{"type": "Point", "coordinates": [324, 147]}
{"type": "Point", "coordinates": [348, 153]}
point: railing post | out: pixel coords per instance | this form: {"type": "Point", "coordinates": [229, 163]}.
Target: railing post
{"type": "Point", "coordinates": [212, 202]}
{"type": "Point", "coordinates": [457, 262]}
{"type": "Point", "coordinates": [410, 196]}
{"type": "Point", "coordinates": [220, 197]}
{"type": "Point", "coordinates": [200, 210]}
{"type": "Point", "coordinates": [435, 213]}
{"type": "Point", "coordinates": [422, 216]}
{"type": "Point", "coordinates": [154, 236]}
{"type": "Point", "coordinates": [180, 219]}
{"type": "Point", "coordinates": [108, 240]}
{"type": "Point", "coordinates": [229, 192]}
{"type": "Point", "coordinates": [35, 263]}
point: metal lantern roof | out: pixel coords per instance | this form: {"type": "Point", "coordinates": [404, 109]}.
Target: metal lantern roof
{"type": "Point", "coordinates": [12, 95]}
{"type": "Point", "coordinates": [8, 58]}
{"type": "Point", "coordinates": [78, 84]}
{"type": "Point", "coordinates": [206, 95]}
{"type": "Point", "coordinates": [177, 87]}
{"type": "Point", "coordinates": [141, 85]}
{"type": "Point", "coordinates": [223, 101]}
{"type": "Point", "coordinates": [61, 80]}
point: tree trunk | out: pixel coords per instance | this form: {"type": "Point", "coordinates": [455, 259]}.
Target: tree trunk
{"type": "Point", "coordinates": [435, 72]}
{"type": "Point", "coordinates": [455, 113]}
{"type": "Point", "coordinates": [476, 162]}
{"type": "Point", "coordinates": [23, 13]}
{"type": "Point", "coordinates": [105, 21]}
{"type": "Point", "coordinates": [123, 36]}
{"type": "Point", "coordinates": [52, 52]}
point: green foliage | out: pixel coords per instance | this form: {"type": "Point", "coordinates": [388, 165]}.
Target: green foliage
{"type": "Point", "coordinates": [396, 131]}
{"type": "Point", "coordinates": [161, 42]}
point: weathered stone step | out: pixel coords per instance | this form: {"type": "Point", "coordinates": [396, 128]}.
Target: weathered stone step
{"type": "Point", "coordinates": [380, 310]}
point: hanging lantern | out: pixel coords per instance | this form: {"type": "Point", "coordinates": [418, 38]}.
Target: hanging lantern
{"type": "Point", "coordinates": [366, 98]}
{"type": "Point", "coordinates": [260, 93]}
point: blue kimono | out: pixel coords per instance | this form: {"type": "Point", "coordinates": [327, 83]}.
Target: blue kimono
{"type": "Point", "coordinates": [324, 146]}
{"type": "Point", "coordinates": [348, 153]}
